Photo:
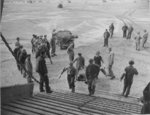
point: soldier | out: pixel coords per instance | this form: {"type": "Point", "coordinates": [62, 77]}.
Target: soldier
{"type": "Point", "coordinates": [130, 30]}
{"type": "Point", "coordinates": [111, 29]}
{"type": "Point", "coordinates": [124, 29]}
{"type": "Point", "coordinates": [106, 37]}
{"type": "Point", "coordinates": [137, 41]}
{"type": "Point", "coordinates": [53, 43]}
{"type": "Point", "coordinates": [110, 63]}
{"type": "Point", "coordinates": [144, 40]}
{"type": "Point", "coordinates": [71, 74]}
{"type": "Point", "coordinates": [22, 58]}
{"type": "Point", "coordinates": [29, 68]}
{"type": "Point", "coordinates": [130, 71]}
{"type": "Point", "coordinates": [70, 51]}
{"type": "Point", "coordinates": [17, 44]}
{"type": "Point", "coordinates": [98, 60]}
{"type": "Point", "coordinates": [80, 62]}
{"type": "Point", "coordinates": [92, 72]}
{"type": "Point", "coordinates": [42, 70]}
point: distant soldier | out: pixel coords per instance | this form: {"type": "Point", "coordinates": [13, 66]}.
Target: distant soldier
{"type": "Point", "coordinates": [71, 74]}
{"type": "Point", "coordinates": [80, 62]}
{"type": "Point", "coordinates": [70, 51]}
{"type": "Point", "coordinates": [29, 68]}
{"type": "Point", "coordinates": [144, 39]}
{"type": "Point", "coordinates": [92, 72]}
{"type": "Point", "coordinates": [130, 30]}
{"type": "Point", "coordinates": [110, 63]}
{"type": "Point", "coordinates": [138, 41]}
{"type": "Point", "coordinates": [130, 71]}
{"type": "Point", "coordinates": [98, 60]}
{"type": "Point", "coordinates": [111, 29]}
{"type": "Point", "coordinates": [124, 29]}
{"type": "Point", "coordinates": [41, 68]}
{"type": "Point", "coordinates": [106, 37]}
{"type": "Point", "coordinates": [17, 44]}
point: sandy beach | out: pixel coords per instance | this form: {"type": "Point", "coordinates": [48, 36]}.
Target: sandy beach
{"type": "Point", "coordinates": [88, 20]}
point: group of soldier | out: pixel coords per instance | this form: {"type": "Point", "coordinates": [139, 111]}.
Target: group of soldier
{"type": "Point", "coordinates": [140, 41]}
{"type": "Point", "coordinates": [73, 73]}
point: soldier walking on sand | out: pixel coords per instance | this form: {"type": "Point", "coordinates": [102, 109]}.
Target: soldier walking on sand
{"type": "Point", "coordinates": [130, 30]}
{"type": "Point", "coordinates": [41, 68]}
{"type": "Point", "coordinates": [80, 63]}
{"type": "Point", "coordinates": [110, 63]}
{"type": "Point", "coordinates": [92, 72]}
{"type": "Point", "coordinates": [130, 71]}
{"type": "Point", "coordinates": [71, 74]}
{"type": "Point", "coordinates": [70, 51]}
{"type": "Point", "coordinates": [124, 29]}
{"type": "Point", "coordinates": [17, 44]}
{"type": "Point", "coordinates": [106, 37]}
{"type": "Point", "coordinates": [137, 41]}
{"type": "Point", "coordinates": [144, 39]}
{"type": "Point", "coordinates": [98, 60]}
{"type": "Point", "coordinates": [111, 30]}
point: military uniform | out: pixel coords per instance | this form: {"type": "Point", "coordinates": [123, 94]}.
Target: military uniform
{"type": "Point", "coordinates": [71, 73]}
{"type": "Point", "coordinates": [98, 60]}
{"type": "Point", "coordinates": [70, 52]}
{"type": "Point", "coordinates": [130, 30]}
{"type": "Point", "coordinates": [144, 40]}
{"type": "Point", "coordinates": [130, 71]}
{"type": "Point", "coordinates": [137, 41]}
{"type": "Point", "coordinates": [110, 64]}
{"type": "Point", "coordinates": [92, 71]}
{"type": "Point", "coordinates": [42, 70]}
{"type": "Point", "coordinates": [111, 30]}
{"type": "Point", "coordinates": [124, 29]}
{"type": "Point", "coordinates": [106, 37]}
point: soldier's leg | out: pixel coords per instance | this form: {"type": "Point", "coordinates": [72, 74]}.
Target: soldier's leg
{"type": "Point", "coordinates": [41, 82]}
{"type": "Point", "coordinates": [128, 90]}
{"type": "Point", "coordinates": [90, 87]}
{"type": "Point", "coordinates": [93, 86]}
{"type": "Point", "coordinates": [103, 71]}
{"type": "Point", "coordinates": [124, 87]}
{"type": "Point", "coordinates": [46, 80]}
{"type": "Point", "coordinates": [69, 81]}
{"type": "Point", "coordinates": [73, 84]}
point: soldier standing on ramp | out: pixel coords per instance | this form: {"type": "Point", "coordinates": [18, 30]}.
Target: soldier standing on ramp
{"type": "Point", "coordinates": [111, 30]}
{"type": "Point", "coordinates": [144, 40]}
{"type": "Point", "coordinates": [124, 29]}
{"type": "Point", "coordinates": [42, 70]}
{"type": "Point", "coordinates": [130, 71]}
{"type": "Point", "coordinates": [106, 37]}
{"type": "Point", "coordinates": [71, 74]}
{"type": "Point", "coordinates": [92, 72]}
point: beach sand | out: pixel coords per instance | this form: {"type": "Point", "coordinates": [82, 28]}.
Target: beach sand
{"type": "Point", "coordinates": [88, 20]}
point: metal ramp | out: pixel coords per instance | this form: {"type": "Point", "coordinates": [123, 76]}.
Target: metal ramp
{"type": "Point", "coordinates": [66, 103]}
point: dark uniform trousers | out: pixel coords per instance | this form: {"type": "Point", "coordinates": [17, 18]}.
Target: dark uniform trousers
{"type": "Point", "coordinates": [71, 81]}
{"type": "Point", "coordinates": [127, 86]}
{"type": "Point", "coordinates": [91, 85]}
{"type": "Point", "coordinates": [124, 33]}
{"type": "Point", "coordinates": [44, 79]}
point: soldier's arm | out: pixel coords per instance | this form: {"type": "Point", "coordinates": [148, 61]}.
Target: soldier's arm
{"type": "Point", "coordinates": [62, 72]}
{"type": "Point", "coordinates": [136, 72]}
